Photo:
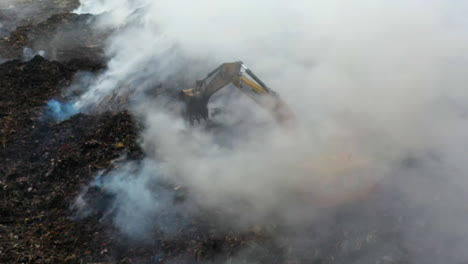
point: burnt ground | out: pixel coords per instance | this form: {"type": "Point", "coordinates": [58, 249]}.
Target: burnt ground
{"type": "Point", "coordinates": [45, 163]}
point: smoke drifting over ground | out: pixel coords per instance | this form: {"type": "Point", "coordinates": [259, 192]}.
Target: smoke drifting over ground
{"type": "Point", "coordinates": [12, 13]}
{"type": "Point", "coordinates": [15, 13]}
{"type": "Point", "coordinates": [378, 88]}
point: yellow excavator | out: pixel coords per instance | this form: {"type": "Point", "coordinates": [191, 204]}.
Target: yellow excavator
{"type": "Point", "coordinates": [236, 73]}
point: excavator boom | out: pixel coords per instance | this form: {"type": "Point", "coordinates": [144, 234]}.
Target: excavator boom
{"type": "Point", "coordinates": [238, 74]}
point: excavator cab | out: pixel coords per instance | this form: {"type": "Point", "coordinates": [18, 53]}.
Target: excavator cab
{"type": "Point", "coordinates": [196, 99]}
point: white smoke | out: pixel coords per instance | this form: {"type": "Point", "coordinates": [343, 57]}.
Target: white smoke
{"type": "Point", "coordinates": [378, 88]}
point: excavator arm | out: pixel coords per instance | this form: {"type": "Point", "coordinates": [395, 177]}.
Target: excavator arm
{"type": "Point", "coordinates": [238, 74]}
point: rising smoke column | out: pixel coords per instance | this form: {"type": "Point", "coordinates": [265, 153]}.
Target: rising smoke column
{"type": "Point", "coordinates": [380, 84]}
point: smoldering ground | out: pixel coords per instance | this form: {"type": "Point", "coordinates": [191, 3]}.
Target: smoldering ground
{"type": "Point", "coordinates": [14, 13]}
{"type": "Point", "coordinates": [379, 92]}
{"type": "Point", "coordinates": [47, 28]}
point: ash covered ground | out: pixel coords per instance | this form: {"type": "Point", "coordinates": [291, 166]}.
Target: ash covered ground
{"type": "Point", "coordinates": [64, 173]}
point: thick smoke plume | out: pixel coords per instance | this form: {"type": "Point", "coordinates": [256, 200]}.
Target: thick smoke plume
{"type": "Point", "coordinates": [378, 88]}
